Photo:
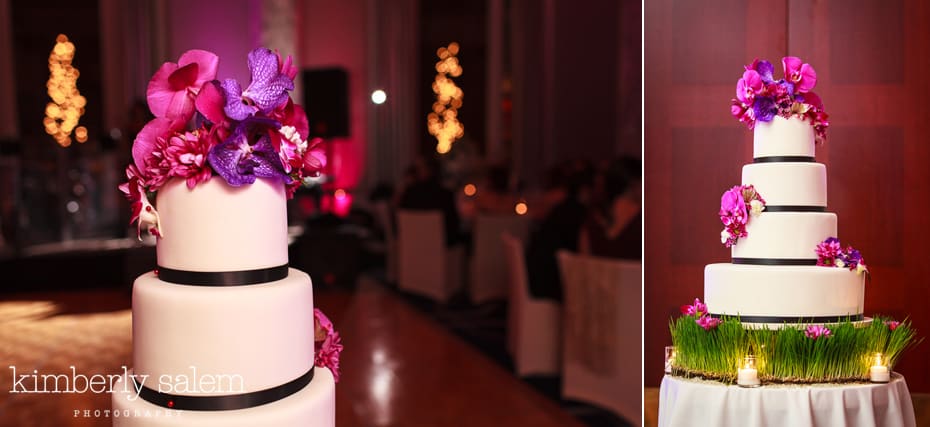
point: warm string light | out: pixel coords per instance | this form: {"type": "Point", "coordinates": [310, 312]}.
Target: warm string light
{"type": "Point", "coordinates": [443, 121]}
{"type": "Point", "coordinates": [470, 190]}
{"type": "Point", "coordinates": [67, 106]}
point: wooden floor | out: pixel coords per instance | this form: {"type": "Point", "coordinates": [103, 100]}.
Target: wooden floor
{"type": "Point", "coordinates": [399, 367]}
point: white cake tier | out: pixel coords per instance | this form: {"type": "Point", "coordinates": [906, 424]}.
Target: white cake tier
{"type": "Point", "coordinates": [783, 137]}
{"type": "Point", "coordinates": [783, 291]}
{"type": "Point", "coordinates": [788, 184]}
{"type": "Point", "coordinates": [263, 333]}
{"type": "Point", "coordinates": [216, 227]}
{"type": "Point", "coordinates": [312, 406]}
{"type": "Point", "coordinates": [785, 235]}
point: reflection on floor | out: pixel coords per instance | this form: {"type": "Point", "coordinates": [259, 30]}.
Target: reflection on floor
{"type": "Point", "coordinates": [399, 368]}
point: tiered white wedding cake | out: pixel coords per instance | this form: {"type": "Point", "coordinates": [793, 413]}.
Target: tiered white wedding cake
{"type": "Point", "coordinates": [224, 332]}
{"type": "Point", "coordinates": [774, 278]}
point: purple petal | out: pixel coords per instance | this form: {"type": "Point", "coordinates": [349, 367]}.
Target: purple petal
{"type": "Point", "coordinates": [764, 109]}
{"type": "Point", "coordinates": [235, 108]}
{"type": "Point", "coordinates": [266, 162]}
{"type": "Point", "coordinates": [226, 159]}
{"type": "Point", "coordinates": [766, 70]}
{"type": "Point", "coordinates": [269, 86]}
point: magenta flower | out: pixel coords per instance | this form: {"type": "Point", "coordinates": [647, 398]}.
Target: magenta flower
{"type": "Point", "coordinates": [816, 331]}
{"type": "Point", "coordinates": [187, 156]}
{"type": "Point", "coordinates": [733, 207]}
{"type": "Point", "coordinates": [173, 88]}
{"type": "Point", "coordinates": [749, 86]}
{"type": "Point", "coordinates": [696, 309]}
{"type": "Point", "coordinates": [267, 90]}
{"type": "Point", "coordinates": [327, 343]}
{"type": "Point", "coordinates": [828, 251]}
{"type": "Point", "coordinates": [892, 324]}
{"type": "Point", "coordinates": [801, 74]}
{"type": "Point", "coordinates": [707, 322]}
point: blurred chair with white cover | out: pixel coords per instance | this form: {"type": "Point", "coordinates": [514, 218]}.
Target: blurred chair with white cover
{"type": "Point", "coordinates": [426, 266]}
{"type": "Point", "coordinates": [488, 278]}
{"type": "Point", "coordinates": [533, 325]}
{"type": "Point", "coordinates": [602, 335]}
{"type": "Point", "coordinates": [383, 214]}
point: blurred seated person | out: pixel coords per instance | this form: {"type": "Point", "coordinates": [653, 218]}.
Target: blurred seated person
{"type": "Point", "coordinates": [427, 193]}
{"type": "Point", "coordinates": [613, 228]}
{"type": "Point", "coordinates": [558, 229]}
{"type": "Point", "coordinates": [494, 196]}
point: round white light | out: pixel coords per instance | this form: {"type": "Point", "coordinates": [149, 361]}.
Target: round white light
{"type": "Point", "coordinates": [73, 206]}
{"type": "Point", "coordinates": [378, 97]}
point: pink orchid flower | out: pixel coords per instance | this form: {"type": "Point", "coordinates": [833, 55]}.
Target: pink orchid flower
{"type": "Point", "coordinates": [697, 309]}
{"type": "Point", "coordinates": [801, 74]}
{"type": "Point", "coordinates": [328, 344]}
{"type": "Point", "coordinates": [173, 88]}
{"type": "Point", "coordinates": [749, 86]}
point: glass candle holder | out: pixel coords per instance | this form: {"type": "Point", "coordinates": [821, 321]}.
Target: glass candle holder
{"type": "Point", "coordinates": [748, 374]}
{"type": "Point", "coordinates": [879, 373]}
{"type": "Point", "coordinates": [669, 358]}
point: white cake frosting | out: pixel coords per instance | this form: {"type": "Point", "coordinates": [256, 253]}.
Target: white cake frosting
{"type": "Point", "coordinates": [312, 406]}
{"type": "Point", "coordinates": [792, 291]}
{"type": "Point", "coordinates": [263, 333]}
{"type": "Point", "coordinates": [783, 137]}
{"type": "Point", "coordinates": [785, 235]}
{"type": "Point", "coordinates": [788, 184]}
{"type": "Point", "coordinates": [216, 227]}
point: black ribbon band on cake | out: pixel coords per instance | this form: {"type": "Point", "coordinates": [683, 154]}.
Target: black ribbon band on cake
{"type": "Point", "coordinates": [226, 402]}
{"type": "Point", "coordinates": [792, 319]}
{"type": "Point", "coordinates": [784, 159]}
{"type": "Point", "coordinates": [787, 208]}
{"type": "Point", "coordinates": [222, 278]}
{"type": "Point", "coordinates": [774, 261]}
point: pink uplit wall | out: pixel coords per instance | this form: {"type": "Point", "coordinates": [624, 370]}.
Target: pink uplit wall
{"type": "Point", "coordinates": [228, 28]}
{"type": "Point", "coordinates": [333, 34]}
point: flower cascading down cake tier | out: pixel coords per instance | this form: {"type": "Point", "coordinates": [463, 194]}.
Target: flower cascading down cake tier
{"type": "Point", "coordinates": [789, 305]}
{"type": "Point", "coordinates": [225, 333]}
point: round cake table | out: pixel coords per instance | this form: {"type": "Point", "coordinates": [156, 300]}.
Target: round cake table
{"type": "Point", "coordinates": [696, 402]}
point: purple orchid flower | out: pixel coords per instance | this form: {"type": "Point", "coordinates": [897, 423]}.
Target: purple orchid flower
{"type": "Point", "coordinates": [765, 69]}
{"type": "Point", "coordinates": [764, 109]}
{"type": "Point", "coordinates": [239, 162]}
{"type": "Point", "coordinates": [267, 90]}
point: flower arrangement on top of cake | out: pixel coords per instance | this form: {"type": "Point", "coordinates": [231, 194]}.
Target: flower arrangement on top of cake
{"type": "Point", "coordinates": [759, 97]}
{"type": "Point", "coordinates": [204, 126]}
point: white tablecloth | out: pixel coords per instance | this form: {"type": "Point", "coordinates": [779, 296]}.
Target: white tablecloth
{"type": "Point", "coordinates": [694, 402]}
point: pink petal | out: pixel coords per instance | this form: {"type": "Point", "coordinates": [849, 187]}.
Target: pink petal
{"type": "Point", "coordinates": [207, 63]}
{"type": "Point", "coordinates": [159, 91]}
{"type": "Point", "coordinates": [210, 102]}
{"type": "Point", "coordinates": [144, 144]}
{"type": "Point", "coordinates": [790, 64]}
{"type": "Point", "coordinates": [182, 78]}
{"type": "Point", "coordinates": [808, 78]}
